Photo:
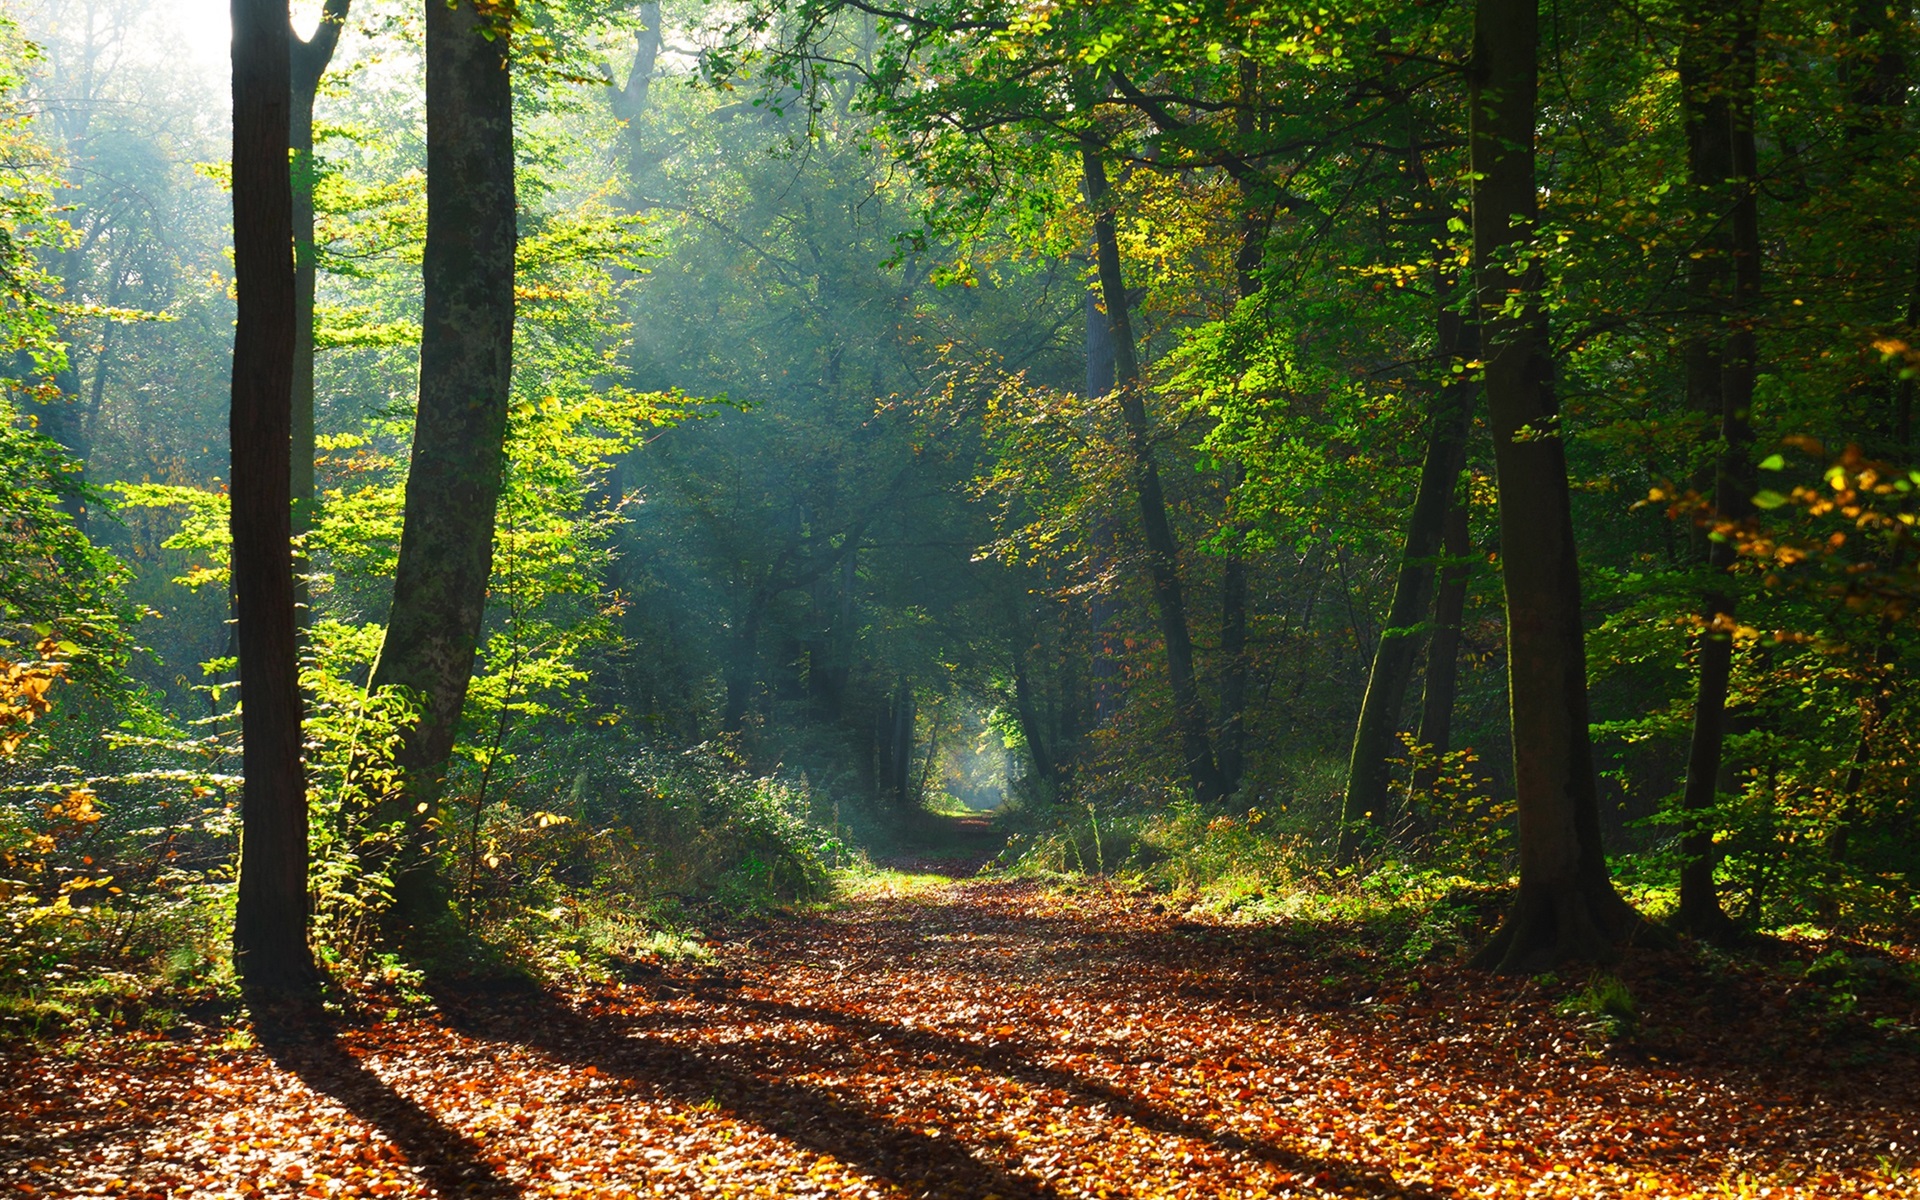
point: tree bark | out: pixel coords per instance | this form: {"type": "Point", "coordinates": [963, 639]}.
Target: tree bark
{"type": "Point", "coordinates": [271, 917]}
{"type": "Point", "coordinates": [1163, 558]}
{"type": "Point", "coordinates": [1566, 907]}
{"type": "Point", "coordinates": [900, 746]}
{"type": "Point", "coordinates": [308, 62]}
{"type": "Point", "coordinates": [459, 440]}
{"type": "Point", "coordinates": [59, 418]}
{"type": "Point", "coordinates": [629, 101]}
{"type": "Point", "coordinates": [1877, 86]}
{"type": "Point", "coordinates": [1233, 671]}
{"type": "Point", "coordinates": [1443, 651]}
{"type": "Point", "coordinates": [1256, 220]}
{"type": "Point", "coordinates": [1102, 611]}
{"type": "Point", "coordinates": [1878, 96]}
{"type": "Point", "coordinates": [1369, 803]}
{"type": "Point", "coordinates": [1717, 84]}
{"type": "Point", "coordinates": [1045, 766]}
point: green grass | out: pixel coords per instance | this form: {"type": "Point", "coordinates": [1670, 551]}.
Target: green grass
{"type": "Point", "coordinates": [884, 883]}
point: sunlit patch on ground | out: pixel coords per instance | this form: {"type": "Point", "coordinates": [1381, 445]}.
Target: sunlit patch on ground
{"type": "Point", "coordinates": [995, 1039]}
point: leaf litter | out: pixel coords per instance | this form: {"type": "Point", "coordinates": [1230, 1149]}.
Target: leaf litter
{"type": "Point", "coordinates": [1004, 1039]}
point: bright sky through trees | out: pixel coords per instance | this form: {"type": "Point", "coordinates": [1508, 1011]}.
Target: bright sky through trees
{"type": "Point", "coordinates": [205, 28]}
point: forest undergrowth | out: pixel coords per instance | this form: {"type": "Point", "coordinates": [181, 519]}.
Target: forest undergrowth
{"type": "Point", "coordinates": [974, 597]}
{"type": "Point", "coordinates": [926, 1036]}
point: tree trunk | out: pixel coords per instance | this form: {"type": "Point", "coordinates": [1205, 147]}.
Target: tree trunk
{"type": "Point", "coordinates": [1045, 766]}
{"type": "Point", "coordinates": [1233, 671]}
{"type": "Point", "coordinates": [309, 59]}
{"type": "Point", "coordinates": [743, 664]}
{"type": "Point", "coordinates": [1163, 558]}
{"type": "Point", "coordinates": [1256, 219]}
{"type": "Point", "coordinates": [59, 418]}
{"type": "Point", "coordinates": [1443, 651]}
{"type": "Point", "coordinates": [1369, 803]}
{"type": "Point", "coordinates": [1566, 907]}
{"type": "Point", "coordinates": [1717, 82]}
{"type": "Point", "coordinates": [271, 918]}
{"type": "Point", "coordinates": [919, 800]}
{"type": "Point", "coordinates": [629, 101]}
{"type": "Point", "coordinates": [1878, 86]}
{"type": "Point", "coordinates": [459, 439]}
{"type": "Point", "coordinates": [900, 746]}
{"type": "Point", "coordinates": [1878, 95]}
{"type": "Point", "coordinates": [1102, 611]}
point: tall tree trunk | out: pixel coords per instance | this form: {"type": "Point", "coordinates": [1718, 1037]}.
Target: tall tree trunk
{"type": "Point", "coordinates": [900, 746]}
{"type": "Point", "coordinates": [1256, 222]}
{"type": "Point", "coordinates": [1027, 708]}
{"type": "Point", "coordinates": [59, 418]}
{"type": "Point", "coordinates": [1717, 83]}
{"type": "Point", "coordinates": [629, 100]}
{"type": "Point", "coordinates": [459, 438]}
{"type": "Point", "coordinates": [1369, 802]}
{"type": "Point", "coordinates": [1163, 558]}
{"type": "Point", "coordinates": [1903, 395]}
{"type": "Point", "coordinates": [1233, 670]}
{"type": "Point", "coordinates": [927, 764]}
{"type": "Point", "coordinates": [1566, 906]}
{"type": "Point", "coordinates": [309, 59]}
{"type": "Point", "coordinates": [1443, 651]}
{"type": "Point", "coordinates": [1102, 611]}
{"type": "Point", "coordinates": [1878, 95]}
{"type": "Point", "coordinates": [271, 917]}
{"type": "Point", "coordinates": [1877, 76]}
{"type": "Point", "coordinates": [743, 663]}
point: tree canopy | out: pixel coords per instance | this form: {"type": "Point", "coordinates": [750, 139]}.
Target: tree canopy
{"type": "Point", "coordinates": [1447, 468]}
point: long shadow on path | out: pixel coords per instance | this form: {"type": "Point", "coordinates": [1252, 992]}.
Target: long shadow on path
{"type": "Point", "coordinates": [306, 1044]}
{"type": "Point", "coordinates": [1007, 1062]}
{"type": "Point", "coordinates": [826, 1123]}
{"type": "Point", "coordinates": [810, 1117]}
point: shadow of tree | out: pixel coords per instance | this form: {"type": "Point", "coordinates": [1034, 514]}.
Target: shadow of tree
{"type": "Point", "coordinates": [305, 1042]}
{"type": "Point", "coordinates": [810, 1117]}
{"type": "Point", "coordinates": [1735, 1029]}
{"type": "Point", "coordinates": [46, 1135]}
{"type": "Point", "coordinates": [826, 1123]}
{"type": "Point", "coordinates": [1006, 1061]}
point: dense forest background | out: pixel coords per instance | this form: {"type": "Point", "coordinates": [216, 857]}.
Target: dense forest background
{"type": "Point", "coordinates": [1116, 416]}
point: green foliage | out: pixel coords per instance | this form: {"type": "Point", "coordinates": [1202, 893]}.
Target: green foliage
{"type": "Point", "coordinates": [903, 560]}
{"type": "Point", "coordinates": [1460, 820]}
{"type": "Point", "coordinates": [1605, 1007]}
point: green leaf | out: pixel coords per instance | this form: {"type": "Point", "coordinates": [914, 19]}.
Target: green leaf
{"type": "Point", "coordinates": [1769, 499]}
{"type": "Point", "coordinates": [1773, 462]}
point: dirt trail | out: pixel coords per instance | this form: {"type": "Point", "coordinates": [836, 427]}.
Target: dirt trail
{"type": "Point", "coordinates": [956, 847]}
{"type": "Point", "coordinates": [981, 1039]}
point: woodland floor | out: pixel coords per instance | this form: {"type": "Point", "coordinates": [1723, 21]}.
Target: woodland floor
{"type": "Point", "coordinates": [1003, 1038]}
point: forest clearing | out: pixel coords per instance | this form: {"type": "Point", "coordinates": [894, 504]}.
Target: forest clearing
{"type": "Point", "coordinates": [975, 598]}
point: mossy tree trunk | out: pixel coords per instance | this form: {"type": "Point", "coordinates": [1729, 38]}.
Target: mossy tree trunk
{"type": "Point", "coordinates": [1163, 557]}
{"type": "Point", "coordinates": [309, 58]}
{"type": "Point", "coordinates": [1717, 84]}
{"type": "Point", "coordinates": [1441, 686]}
{"type": "Point", "coordinates": [1369, 806]}
{"type": "Point", "coordinates": [1566, 907]}
{"type": "Point", "coordinates": [1369, 802]}
{"type": "Point", "coordinates": [459, 441]}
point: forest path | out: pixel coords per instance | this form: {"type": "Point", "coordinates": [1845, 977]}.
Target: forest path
{"type": "Point", "coordinates": [952, 846]}
{"type": "Point", "coordinates": [992, 1038]}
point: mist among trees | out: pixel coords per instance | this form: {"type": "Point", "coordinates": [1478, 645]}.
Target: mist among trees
{"type": "Point", "coordinates": [524, 521]}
